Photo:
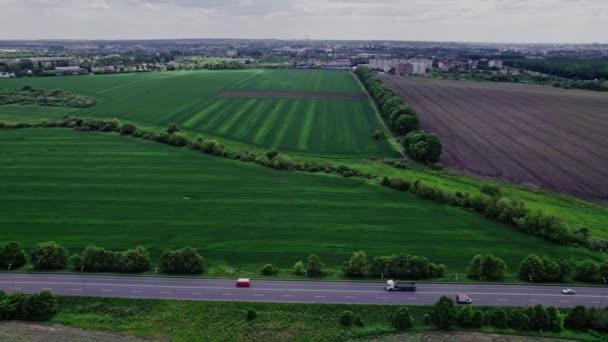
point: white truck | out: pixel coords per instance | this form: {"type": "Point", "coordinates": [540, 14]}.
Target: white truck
{"type": "Point", "coordinates": [392, 285]}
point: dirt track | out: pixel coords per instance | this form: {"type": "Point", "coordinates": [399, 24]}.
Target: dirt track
{"type": "Point", "coordinates": [538, 136]}
{"type": "Point", "coordinates": [293, 95]}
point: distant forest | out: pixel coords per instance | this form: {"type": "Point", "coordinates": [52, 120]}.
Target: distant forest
{"type": "Point", "coordinates": [573, 68]}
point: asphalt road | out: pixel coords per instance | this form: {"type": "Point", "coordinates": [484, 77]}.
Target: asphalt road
{"type": "Point", "coordinates": [295, 291]}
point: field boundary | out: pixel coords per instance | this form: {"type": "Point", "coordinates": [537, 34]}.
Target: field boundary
{"type": "Point", "coordinates": [291, 94]}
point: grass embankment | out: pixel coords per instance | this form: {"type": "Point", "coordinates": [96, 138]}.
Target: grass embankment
{"type": "Point", "coordinates": [329, 127]}
{"type": "Point", "coordinates": [81, 188]}
{"type": "Point", "coordinates": [226, 321]}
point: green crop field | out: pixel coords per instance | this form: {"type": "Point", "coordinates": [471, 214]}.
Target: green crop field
{"type": "Point", "coordinates": [81, 188]}
{"type": "Point", "coordinates": [326, 127]}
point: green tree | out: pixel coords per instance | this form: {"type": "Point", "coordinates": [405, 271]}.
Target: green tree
{"type": "Point", "coordinates": [518, 319]}
{"type": "Point", "coordinates": [269, 270]}
{"type": "Point", "coordinates": [556, 319]}
{"type": "Point", "coordinates": [464, 316]}
{"type": "Point", "coordinates": [182, 261]}
{"type": "Point", "coordinates": [478, 319]}
{"type": "Point", "coordinates": [422, 147]}
{"type": "Point", "coordinates": [587, 270]}
{"type": "Point", "coordinates": [49, 256]}
{"type": "Point", "coordinates": [172, 128]}
{"type": "Point", "coordinates": [12, 255]}
{"type": "Point", "coordinates": [539, 318]}
{"type": "Point", "coordinates": [443, 313]}
{"type": "Point", "coordinates": [314, 266]}
{"type": "Point", "coordinates": [493, 268]}
{"type": "Point", "coordinates": [134, 260]}
{"type": "Point", "coordinates": [532, 267]}
{"type": "Point", "coordinates": [491, 190]}
{"type": "Point", "coordinates": [498, 318]}
{"type": "Point", "coordinates": [299, 267]}
{"type": "Point", "coordinates": [347, 318]}
{"type": "Point", "coordinates": [475, 270]}
{"type": "Point", "coordinates": [128, 129]}
{"type": "Point", "coordinates": [405, 124]}
{"type": "Point", "coordinates": [402, 319]}
{"type": "Point", "coordinates": [41, 306]}
{"type": "Point", "coordinates": [578, 318]}
{"type": "Point", "coordinates": [357, 265]}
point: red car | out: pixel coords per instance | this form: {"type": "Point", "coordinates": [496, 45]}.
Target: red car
{"type": "Point", "coordinates": [243, 282]}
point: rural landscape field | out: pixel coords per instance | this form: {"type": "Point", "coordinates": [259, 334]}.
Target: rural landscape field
{"type": "Point", "coordinates": [538, 136]}
{"type": "Point", "coordinates": [332, 125]}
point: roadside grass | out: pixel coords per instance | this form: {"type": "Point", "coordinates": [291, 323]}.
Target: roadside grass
{"type": "Point", "coordinates": [226, 321]}
{"type": "Point", "coordinates": [82, 188]}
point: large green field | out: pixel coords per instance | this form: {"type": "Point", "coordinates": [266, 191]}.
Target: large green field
{"type": "Point", "coordinates": [81, 188]}
{"type": "Point", "coordinates": [325, 127]}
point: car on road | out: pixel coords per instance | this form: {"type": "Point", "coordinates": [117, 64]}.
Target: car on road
{"type": "Point", "coordinates": [392, 285]}
{"type": "Point", "coordinates": [568, 291]}
{"type": "Point", "coordinates": [243, 282]}
{"type": "Point", "coordinates": [463, 299]}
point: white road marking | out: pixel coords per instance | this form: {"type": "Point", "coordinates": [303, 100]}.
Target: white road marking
{"type": "Point", "coordinates": [564, 301]}
{"type": "Point", "coordinates": [534, 300]}
{"type": "Point", "coordinates": [258, 295]}
{"type": "Point", "coordinates": [320, 296]}
{"type": "Point", "coordinates": [380, 297]}
{"type": "Point", "coordinates": [166, 292]}
{"type": "Point", "coordinates": [196, 293]}
{"type": "Point", "coordinates": [136, 291]}
{"type": "Point", "coordinates": [350, 297]}
{"type": "Point", "coordinates": [595, 302]}
{"type": "Point", "coordinates": [288, 296]}
{"type": "Point", "coordinates": [412, 298]}
{"type": "Point", "coordinates": [76, 289]}
{"type": "Point", "coordinates": [45, 288]}
{"type": "Point", "coordinates": [226, 294]}
{"type": "Point", "coordinates": [103, 290]}
{"type": "Point", "coordinates": [502, 299]}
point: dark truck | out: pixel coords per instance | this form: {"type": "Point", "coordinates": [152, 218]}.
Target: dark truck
{"type": "Point", "coordinates": [392, 285]}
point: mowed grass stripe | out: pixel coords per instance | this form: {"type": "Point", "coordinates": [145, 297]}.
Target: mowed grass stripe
{"type": "Point", "coordinates": [189, 99]}
{"type": "Point", "coordinates": [264, 134]}
{"type": "Point", "coordinates": [81, 188]}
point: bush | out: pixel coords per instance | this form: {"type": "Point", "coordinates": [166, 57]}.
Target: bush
{"type": "Point", "coordinates": [271, 154]}
{"type": "Point", "coordinates": [536, 269]}
{"type": "Point", "coordinates": [172, 128]}
{"type": "Point", "coordinates": [487, 267]}
{"type": "Point", "coordinates": [498, 318]}
{"type": "Point", "coordinates": [41, 306]}
{"type": "Point", "coordinates": [12, 255]}
{"type": "Point", "coordinates": [251, 315]}
{"type": "Point", "coordinates": [357, 265]}
{"type": "Point", "coordinates": [464, 316]}
{"type": "Point", "coordinates": [269, 270]}
{"type": "Point", "coordinates": [13, 306]}
{"type": "Point", "coordinates": [314, 266]}
{"type": "Point", "coordinates": [299, 268]}
{"type": "Point", "coordinates": [347, 318]}
{"type": "Point", "coordinates": [491, 190]}
{"type": "Point", "coordinates": [539, 318]}
{"type": "Point", "coordinates": [426, 319]}
{"type": "Point", "coordinates": [128, 129]}
{"type": "Point", "coordinates": [379, 135]}
{"type": "Point", "coordinates": [402, 319]}
{"type": "Point", "coordinates": [578, 318]}
{"type": "Point", "coordinates": [478, 319]}
{"type": "Point", "coordinates": [182, 261]}
{"type": "Point", "coordinates": [587, 270]}
{"type": "Point", "coordinates": [49, 256]}
{"type": "Point", "coordinates": [518, 319]}
{"type": "Point", "coordinates": [556, 319]}
{"type": "Point", "coordinates": [133, 260]}
{"type": "Point", "coordinates": [443, 313]}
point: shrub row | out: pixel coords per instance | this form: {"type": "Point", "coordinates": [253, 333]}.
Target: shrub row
{"type": "Point", "coordinates": [40, 306]}
{"type": "Point", "coordinates": [401, 119]}
{"type": "Point", "coordinates": [490, 204]}
{"type": "Point", "coordinates": [172, 136]}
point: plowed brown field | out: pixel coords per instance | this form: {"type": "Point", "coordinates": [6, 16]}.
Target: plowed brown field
{"type": "Point", "coordinates": [545, 137]}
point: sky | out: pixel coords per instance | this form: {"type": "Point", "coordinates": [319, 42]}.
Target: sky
{"type": "Point", "coordinates": [527, 21]}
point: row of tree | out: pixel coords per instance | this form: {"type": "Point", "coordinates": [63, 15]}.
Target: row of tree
{"type": "Point", "coordinates": [401, 119]}
{"type": "Point", "coordinates": [490, 203]}
{"type": "Point", "coordinates": [52, 256]}
{"type": "Point", "coordinates": [40, 306]}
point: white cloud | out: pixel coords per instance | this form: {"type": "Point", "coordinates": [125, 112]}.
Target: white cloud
{"type": "Point", "coordinates": [464, 20]}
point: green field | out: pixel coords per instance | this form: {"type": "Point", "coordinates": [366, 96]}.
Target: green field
{"type": "Point", "coordinates": [327, 127]}
{"type": "Point", "coordinates": [81, 188]}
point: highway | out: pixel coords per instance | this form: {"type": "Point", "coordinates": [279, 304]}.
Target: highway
{"type": "Point", "coordinates": [283, 291]}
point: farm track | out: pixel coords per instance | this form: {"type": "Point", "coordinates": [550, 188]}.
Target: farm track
{"type": "Point", "coordinates": [536, 136]}
{"type": "Point", "coordinates": [292, 94]}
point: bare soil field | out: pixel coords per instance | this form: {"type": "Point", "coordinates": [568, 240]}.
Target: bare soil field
{"type": "Point", "coordinates": [538, 136]}
{"type": "Point", "coordinates": [292, 94]}
{"type": "Point", "coordinates": [34, 332]}
{"type": "Point", "coordinates": [461, 337]}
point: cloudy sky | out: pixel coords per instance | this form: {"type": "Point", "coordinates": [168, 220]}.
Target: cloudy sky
{"type": "Point", "coordinates": [439, 20]}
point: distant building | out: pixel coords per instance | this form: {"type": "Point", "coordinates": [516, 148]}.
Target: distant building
{"type": "Point", "coordinates": [73, 70]}
{"type": "Point", "coordinates": [7, 75]}
{"type": "Point", "coordinates": [418, 66]}
{"type": "Point", "coordinates": [232, 53]}
{"type": "Point", "coordinates": [403, 69]}
{"type": "Point", "coordinates": [338, 64]}
{"type": "Point", "coordinates": [495, 63]}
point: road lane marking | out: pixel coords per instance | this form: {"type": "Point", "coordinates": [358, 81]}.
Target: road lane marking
{"type": "Point", "coordinates": [595, 302]}
{"type": "Point", "coordinates": [76, 289]}
{"type": "Point", "coordinates": [196, 293]}
{"type": "Point", "coordinates": [258, 295]}
{"type": "Point", "coordinates": [564, 301]}
{"type": "Point", "coordinates": [44, 288]}
{"type": "Point", "coordinates": [350, 297]}
{"type": "Point", "coordinates": [534, 300]}
{"type": "Point", "coordinates": [226, 294]}
{"type": "Point", "coordinates": [288, 296]}
{"type": "Point", "coordinates": [502, 299]}
{"type": "Point", "coordinates": [136, 291]}
{"type": "Point", "coordinates": [381, 298]}
{"type": "Point", "coordinates": [104, 290]}
{"type": "Point", "coordinates": [320, 296]}
{"type": "Point", "coordinates": [412, 298]}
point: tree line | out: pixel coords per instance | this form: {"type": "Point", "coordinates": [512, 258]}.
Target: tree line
{"type": "Point", "coordinates": [584, 69]}
{"type": "Point", "coordinates": [401, 119]}
{"type": "Point", "coordinates": [52, 256]}
{"type": "Point", "coordinates": [490, 203]}
{"type": "Point", "coordinates": [40, 306]}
